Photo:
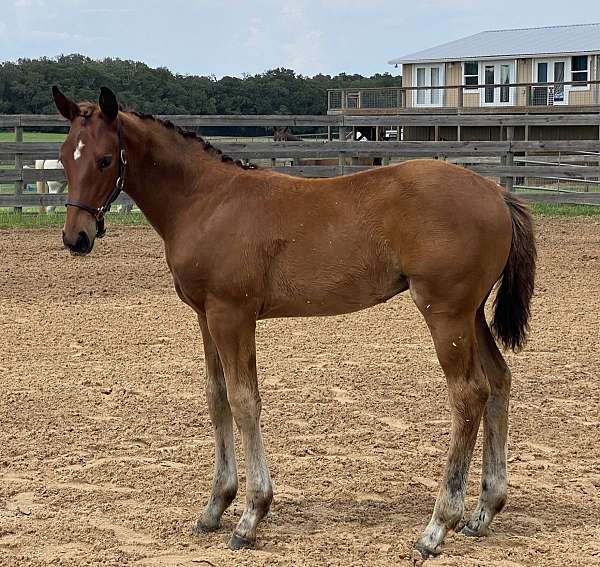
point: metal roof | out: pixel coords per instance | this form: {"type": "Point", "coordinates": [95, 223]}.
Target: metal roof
{"type": "Point", "coordinates": [517, 43]}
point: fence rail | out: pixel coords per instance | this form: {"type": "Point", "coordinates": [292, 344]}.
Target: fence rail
{"type": "Point", "coordinates": [263, 150]}
{"type": "Point", "coordinates": [416, 117]}
{"type": "Point", "coordinates": [497, 159]}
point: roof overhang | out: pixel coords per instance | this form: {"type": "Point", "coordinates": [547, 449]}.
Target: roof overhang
{"type": "Point", "coordinates": [402, 61]}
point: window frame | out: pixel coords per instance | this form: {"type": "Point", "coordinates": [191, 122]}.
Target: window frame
{"type": "Point", "coordinates": [512, 73]}
{"type": "Point", "coordinates": [551, 76]}
{"type": "Point", "coordinates": [464, 76]}
{"type": "Point", "coordinates": [441, 92]}
{"type": "Point", "coordinates": [585, 87]}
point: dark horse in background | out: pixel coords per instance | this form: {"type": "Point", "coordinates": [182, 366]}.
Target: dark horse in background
{"type": "Point", "coordinates": [247, 244]}
{"type": "Point", "coordinates": [284, 135]}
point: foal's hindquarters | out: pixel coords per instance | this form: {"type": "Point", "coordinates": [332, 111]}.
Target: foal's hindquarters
{"type": "Point", "coordinates": [450, 279]}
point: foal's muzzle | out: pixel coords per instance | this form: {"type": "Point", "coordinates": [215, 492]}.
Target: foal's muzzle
{"type": "Point", "coordinates": [81, 246]}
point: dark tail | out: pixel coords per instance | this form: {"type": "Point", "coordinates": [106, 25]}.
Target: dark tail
{"type": "Point", "coordinates": [511, 306]}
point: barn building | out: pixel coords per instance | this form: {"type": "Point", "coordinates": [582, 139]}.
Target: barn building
{"type": "Point", "coordinates": [535, 70]}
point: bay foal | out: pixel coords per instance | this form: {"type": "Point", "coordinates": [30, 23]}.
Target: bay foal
{"type": "Point", "coordinates": [244, 245]}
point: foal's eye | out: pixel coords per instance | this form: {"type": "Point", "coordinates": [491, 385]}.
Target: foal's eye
{"type": "Point", "coordinates": [104, 162]}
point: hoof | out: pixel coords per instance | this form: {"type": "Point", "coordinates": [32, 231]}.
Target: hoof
{"type": "Point", "coordinates": [469, 532]}
{"type": "Point", "coordinates": [426, 552]}
{"type": "Point", "coordinates": [236, 542]}
{"type": "Point", "coordinates": [201, 528]}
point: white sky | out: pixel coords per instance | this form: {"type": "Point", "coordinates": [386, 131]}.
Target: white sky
{"type": "Point", "coordinates": [206, 37]}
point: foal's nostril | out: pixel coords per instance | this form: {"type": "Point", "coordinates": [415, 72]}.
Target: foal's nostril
{"type": "Point", "coordinates": [83, 243]}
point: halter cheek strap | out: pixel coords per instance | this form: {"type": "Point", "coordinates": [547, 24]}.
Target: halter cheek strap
{"type": "Point", "coordinates": [99, 212]}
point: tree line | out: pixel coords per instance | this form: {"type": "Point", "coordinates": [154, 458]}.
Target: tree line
{"type": "Point", "coordinates": [25, 87]}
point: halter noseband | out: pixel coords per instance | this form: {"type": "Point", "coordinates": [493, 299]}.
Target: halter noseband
{"type": "Point", "coordinates": [99, 212]}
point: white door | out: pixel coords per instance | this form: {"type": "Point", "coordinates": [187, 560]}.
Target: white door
{"type": "Point", "coordinates": [428, 76]}
{"type": "Point", "coordinates": [553, 72]}
{"type": "Point", "coordinates": [497, 73]}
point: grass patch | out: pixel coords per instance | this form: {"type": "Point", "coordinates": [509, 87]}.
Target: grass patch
{"type": "Point", "coordinates": [34, 136]}
{"type": "Point", "coordinates": [563, 210]}
{"type": "Point", "coordinates": [30, 219]}
{"type": "Point", "coordinates": [10, 220]}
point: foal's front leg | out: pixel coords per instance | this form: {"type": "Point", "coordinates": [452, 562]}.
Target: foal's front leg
{"type": "Point", "coordinates": [225, 481]}
{"type": "Point", "coordinates": [234, 333]}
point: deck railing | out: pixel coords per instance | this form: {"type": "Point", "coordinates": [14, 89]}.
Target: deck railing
{"type": "Point", "coordinates": [564, 94]}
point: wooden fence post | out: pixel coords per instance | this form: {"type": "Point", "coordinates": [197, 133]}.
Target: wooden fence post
{"type": "Point", "coordinates": [341, 156]}
{"type": "Point", "coordinates": [508, 159]}
{"type": "Point", "coordinates": [19, 185]}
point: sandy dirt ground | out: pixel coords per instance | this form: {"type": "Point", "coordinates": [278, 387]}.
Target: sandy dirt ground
{"type": "Point", "coordinates": [106, 446]}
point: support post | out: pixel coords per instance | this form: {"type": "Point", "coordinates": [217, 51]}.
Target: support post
{"type": "Point", "coordinates": [509, 159]}
{"type": "Point", "coordinates": [341, 156]}
{"type": "Point", "coordinates": [19, 185]}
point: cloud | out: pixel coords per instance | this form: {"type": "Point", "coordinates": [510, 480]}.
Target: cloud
{"type": "Point", "coordinates": [45, 35]}
{"type": "Point", "coordinates": [108, 10]}
{"type": "Point", "coordinates": [454, 4]}
{"type": "Point", "coordinates": [304, 54]}
{"type": "Point", "coordinates": [29, 3]}
{"type": "Point", "coordinates": [254, 34]}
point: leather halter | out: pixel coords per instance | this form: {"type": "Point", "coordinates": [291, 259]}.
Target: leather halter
{"type": "Point", "coordinates": [99, 212]}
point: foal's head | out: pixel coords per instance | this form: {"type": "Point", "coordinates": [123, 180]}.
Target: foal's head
{"type": "Point", "coordinates": [90, 156]}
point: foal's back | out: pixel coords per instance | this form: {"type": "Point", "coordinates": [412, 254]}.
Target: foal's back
{"type": "Point", "coordinates": [344, 244]}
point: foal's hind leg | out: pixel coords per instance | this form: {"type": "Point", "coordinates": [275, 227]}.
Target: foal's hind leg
{"type": "Point", "coordinates": [495, 425]}
{"type": "Point", "coordinates": [454, 338]}
{"type": "Point", "coordinates": [225, 481]}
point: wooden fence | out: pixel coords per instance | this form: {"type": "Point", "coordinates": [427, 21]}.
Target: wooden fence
{"type": "Point", "coordinates": [507, 159]}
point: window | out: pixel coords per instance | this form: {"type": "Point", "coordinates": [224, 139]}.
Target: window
{"type": "Point", "coordinates": [505, 80]}
{"type": "Point", "coordinates": [559, 77]}
{"type": "Point", "coordinates": [579, 68]}
{"type": "Point", "coordinates": [497, 78]}
{"type": "Point", "coordinates": [489, 80]}
{"type": "Point", "coordinates": [435, 82]}
{"type": "Point", "coordinates": [471, 75]}
{"type": "Point", "coordinates": [542, 73]}
{"type": "Point", "coordinates": [550, 72]}
{"type": "Point", "coordinates": [431, 80]}
{"type": "Point", "coordinates": [421, 83]}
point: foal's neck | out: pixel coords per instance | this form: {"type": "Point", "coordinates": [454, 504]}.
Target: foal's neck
{"type": "Point", "coordinates": [166, 172]}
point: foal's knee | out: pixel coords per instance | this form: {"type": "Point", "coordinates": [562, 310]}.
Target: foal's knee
{"type": "Point", "coordinates": [216, 399]}
{"type": "Point", "coordinates": [245, 406]}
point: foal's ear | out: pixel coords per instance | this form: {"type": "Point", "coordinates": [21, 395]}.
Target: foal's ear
{"type": "Point", "coordinates": [108, 104]}
{"type": "Point", "coordinates": [68, 108]}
